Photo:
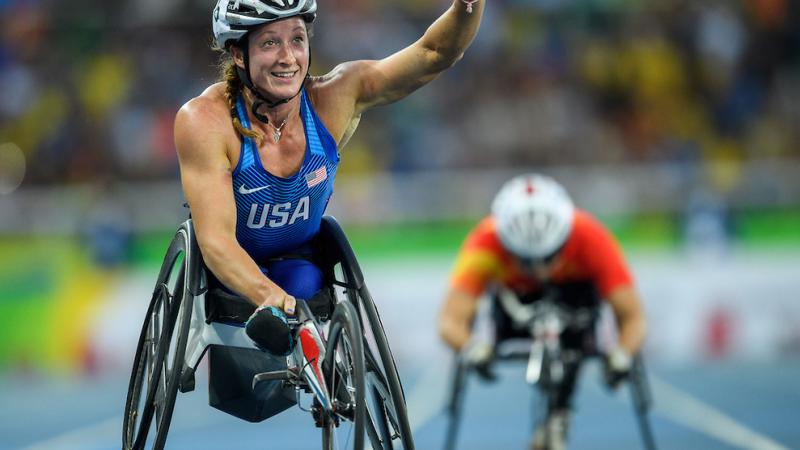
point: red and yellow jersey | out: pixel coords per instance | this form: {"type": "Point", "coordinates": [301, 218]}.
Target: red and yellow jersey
{"type": "Point", "coordinates": [591, 254]}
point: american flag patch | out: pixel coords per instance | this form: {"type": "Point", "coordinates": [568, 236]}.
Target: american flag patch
{"type": "Point", "coordinates": [316, 177]}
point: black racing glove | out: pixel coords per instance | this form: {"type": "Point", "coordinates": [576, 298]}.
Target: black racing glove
{"type": "Point", "coordinates": [321, 304]}
{"type": "Point", "coordinates": [479, 356]}
{"type": "Point", "coordinates": [617, 367]}
{"type": "Point", "coordinates": [269, 330]}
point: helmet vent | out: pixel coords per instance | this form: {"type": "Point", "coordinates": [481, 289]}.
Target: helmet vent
{"type": "Point", "coordinates": [534, 215]}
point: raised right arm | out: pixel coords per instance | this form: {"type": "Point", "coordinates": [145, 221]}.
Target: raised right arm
{"type": "Point", "coordinates": [202, 131]}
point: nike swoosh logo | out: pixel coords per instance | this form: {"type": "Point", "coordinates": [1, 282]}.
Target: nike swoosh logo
{"type": "Point", "coordinates": [244, 190]}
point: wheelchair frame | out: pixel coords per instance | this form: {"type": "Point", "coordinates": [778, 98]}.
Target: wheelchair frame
{"type": "Point", "coordinates": [179, 303]}
{"type": "Point", "coordinates": [545, 320]}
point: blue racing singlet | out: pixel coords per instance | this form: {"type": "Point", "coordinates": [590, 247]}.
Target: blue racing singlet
{"type": "Point", "coordinates": [276, 215]}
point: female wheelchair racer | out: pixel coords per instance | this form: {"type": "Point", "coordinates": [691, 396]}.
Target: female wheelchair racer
{"type": "Point", "coordinates": [187, 319]}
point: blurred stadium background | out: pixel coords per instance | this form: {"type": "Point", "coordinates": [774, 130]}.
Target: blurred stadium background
{"type": "Point", "coordinates": [676, 122]}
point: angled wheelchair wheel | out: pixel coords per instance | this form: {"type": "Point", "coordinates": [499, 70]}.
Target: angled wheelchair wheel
{"type": "Point", "coordinates": [388, 419]}
{"type": "Point", "coordinates": [385, 415]}
{"type": "Point", "coordinates": [385, 396]}
{"type": "Point", "coordinates": [455, 402]}
{"type": "Point", "coordinates": [162, 344]}
{"type": "Point", "coordinates": [343, 369]}
{"type": "Point", "coordinates": [551, 373]}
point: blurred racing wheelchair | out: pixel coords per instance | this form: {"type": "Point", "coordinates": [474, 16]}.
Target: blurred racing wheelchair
{"type": "Point", "coordinates": [555, 338]}
{"type": "Point", "coordinates": [341, 359]}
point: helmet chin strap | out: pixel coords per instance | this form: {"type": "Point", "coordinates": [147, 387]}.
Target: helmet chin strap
{"type": "Point", "coordinates": [260, 99]}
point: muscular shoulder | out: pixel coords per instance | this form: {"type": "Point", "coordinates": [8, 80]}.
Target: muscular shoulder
{"type": "Point", "coordinates": [335, 98]}
{"type": "Point", "coordinates": [204, 120]}
{"type": "Point", "coordinates": [483, 244]}
{"type": "Point", "coordinates": [345, 84]}
{"type": "Point", "coordinates": [588, 229]}
{"type": "Point", "coordinates": [344, 76]}
{"type": "Point", "coordinates": [593, 243]}
{"type": "Point", "coordinates": [480, 259]}
{"type": "Point", "coordinates": [484, 236]}
{"type": "Point", "coordinates": [596, 249]}
{"type": "Point", "coordinates": [209, 111]}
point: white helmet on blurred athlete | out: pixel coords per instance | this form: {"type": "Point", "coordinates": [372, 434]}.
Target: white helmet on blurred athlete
{"type": "Point", "coordinates": [534, 216]}
{"type": "Point", "coordinates": [232, 19]}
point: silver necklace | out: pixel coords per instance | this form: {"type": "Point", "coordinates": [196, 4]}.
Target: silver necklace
{"type": "Point", "coordinates": [469, 5]}
{"type": "Point", "coordinates": [276, 134]}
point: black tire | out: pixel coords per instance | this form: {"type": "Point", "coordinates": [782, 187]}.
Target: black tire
{"type": "Point", "coordinates": [548, 381]}
{"type": "Point", "coordinates": [160, 352]}
{"type": "Point", "coordinates": [384, 390]}
{"type": "Point", "coordinates": [144, 378]}
{"type": "Point", "coordinates": [344, 372]}
{"type": "Point", "coordinates": [345, 272]}
{"type": "Point", "coordinates": [551, 378]}
{"type": "Point", "coordinates": [455, 402]}
{"type": "Point", "coordinates": [382, 412]}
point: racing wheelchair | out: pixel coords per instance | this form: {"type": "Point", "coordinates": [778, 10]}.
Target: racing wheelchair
{"type": "Point", "coordinates": [341, 358]}
{"type": "Point", "coordinates": [535, 331]}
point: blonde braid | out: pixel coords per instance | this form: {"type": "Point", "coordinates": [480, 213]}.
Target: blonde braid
{"type": "Point", "coordinates": [233, 87]}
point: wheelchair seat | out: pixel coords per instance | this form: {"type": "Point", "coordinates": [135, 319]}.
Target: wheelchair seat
{"type": "Point", "coordinates": [225, 307]}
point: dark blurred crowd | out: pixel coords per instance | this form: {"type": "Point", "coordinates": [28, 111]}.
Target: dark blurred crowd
{"type": "Point", "coordinates": [89, 88]}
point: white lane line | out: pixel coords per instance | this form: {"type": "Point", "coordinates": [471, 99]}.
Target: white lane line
{"type": "Point", "coordinates": [429, 396]}
{"type": "Point", "coordinates": [692, 413]}
{"type": "Point", "coordinates": [110, 430]}
{"type": "Point", "coordinates": [98, 432]}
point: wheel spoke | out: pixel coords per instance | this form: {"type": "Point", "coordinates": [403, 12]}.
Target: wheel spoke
{"type": "Point", "coordinates": [344, 372]}
{"type": "Point", "coordinates": [153, 384]}
{"type": "Point", "coordinates": [342, 391]}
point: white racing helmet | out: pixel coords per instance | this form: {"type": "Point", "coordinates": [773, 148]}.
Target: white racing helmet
{"type": "Point", "coordinates": [232, 19]}
{"type": "Point", "coordinates": [534, 216]}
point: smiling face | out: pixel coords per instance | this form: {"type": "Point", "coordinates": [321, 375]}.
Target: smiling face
{"type": "Point", "coordinates": [279, 56]}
